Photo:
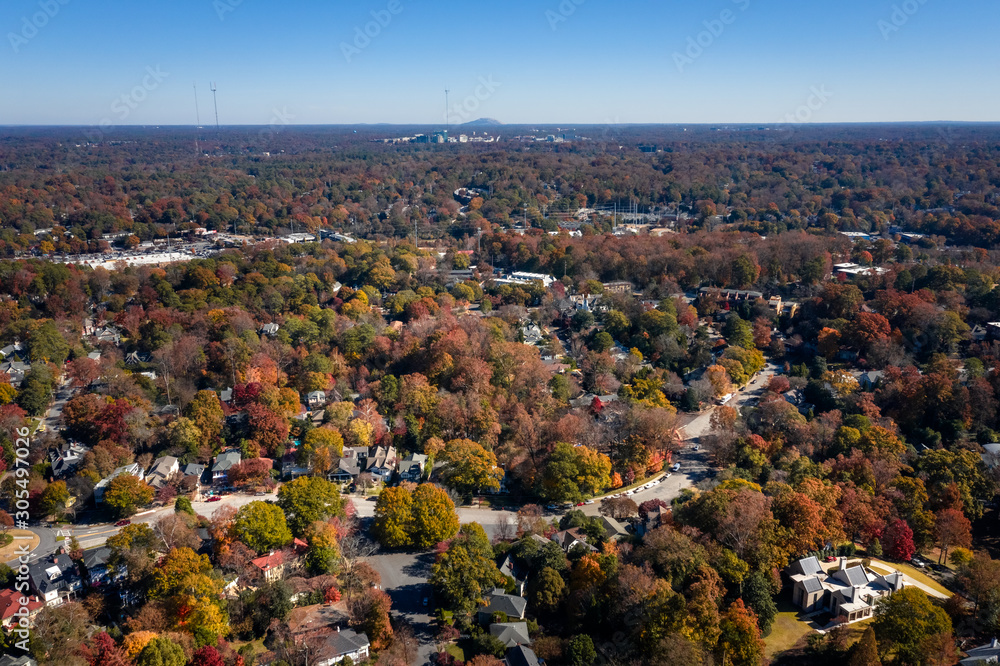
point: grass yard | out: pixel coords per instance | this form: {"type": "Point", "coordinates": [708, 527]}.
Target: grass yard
{"type": "Point", "coordinates": [786, 632]}
{"type": "Point", "coordinates": [456, 652]}
{"type": "Point", "coordinates": [913, 573]}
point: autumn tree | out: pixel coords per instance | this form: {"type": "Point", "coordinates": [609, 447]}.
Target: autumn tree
{"type": "Point", "coordinates": [262, 526]}
{"type": "Point", "coordinates": [739, 641]}
{"type": "Point", "coordinates": [905, 620]}
{"type": "Point", "coordinates": [308, 499]}
{"type": "Point", "coordinates": [897, 541]}
{"type": "Point", "coordinates": [953, 529]}
{"type": "Point", "coordinates": [126, 493]}
{"type": "Point", "coordinates": [470, 467]}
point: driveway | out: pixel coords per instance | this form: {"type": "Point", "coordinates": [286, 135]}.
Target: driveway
{"type": "Point", "coordinates": [404, 578]}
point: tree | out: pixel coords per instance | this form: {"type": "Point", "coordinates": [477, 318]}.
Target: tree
{"type": "Point", "coordinates": [739, 640]}
{"type": "Point", "coordinates": [161, 651]}
{"type": "Point", "coordinates": [183, 505]}
{"type": "Point", "coordinates": [126, 493]}
{"type": "Point", "coordinates": [267, 428]}
{"type": "Point", "coordinates": [207, 656]}
{"type": "Point", "coordinates": [897, 541]}
{"type": "Point", "coordinates": [205, 411]}
{"type": "Point", "coordinates": [547, 590]}
{"type": "Point", "coordinates": [185, 436]}
{"type": "Point", "coordinates": [103, 651]}
{"type": "Point", "coordinates": [392, 517]}
{"type": "Point", "coordinates": [904, 620]}
{"type": "Point", "coordinates": [308, 499]}
{"type": "Point", "coordinates": [572, 471]}
{"type": "Point", "coordinates": [261, 526]}
{"type": "Point", "coordinates": [865, 651]}
{"type": "Point", "coordinates": [250, 472]}
{"type": "Point", "coordinates": [54, 498]}
{"type": "Point", "coordinates": [369, 612]}
{"type": "Point", "coordinates": [738, 332]}
{"type": "Point", "coordinates": [759, 597]}
{"type": "Point", "coordinates": [432, 516]}
{"type": "Point", "coordinates": [470, 467]}
{"type": "Point", "coordinates": [953, 529]}
{"type": "Point", "coordinates": [580, 650]}
{"type": "Point", "coordinates": [618, 508]}
{"type": "Point", "coordinates": [59, 631]}
{"type": "Point", "coordinates": [323, 552]}
{"type": "Point", "coordinates": [465, 572]}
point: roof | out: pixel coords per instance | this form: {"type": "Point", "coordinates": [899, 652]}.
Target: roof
{"type": "Point", "coordinates": [310, 619]}
{"type": "Point", "coordinates": [613, 528]}
{"type": "Point", "coordinates": [10, 604]}
{"type": "Point", "coordinates": [520, 655]}
{"type": "Point", "coordinates": [345, 641]}
{"type": "Point", "coordinates": [810, 565]}
{"type": "Point", "coordinates": [855, 576]}
{"type": "Point", "coordinates": [509, 604]}
{"type": "Point", "coordinates": [11, 660]}
{"type": "Point", "coordinates": [984, 654]}
{"type": "Point", "coordinates": [270, 561]}
{"type": "Point", "coordinates": [226, 460]}
{"type": "Point", "coordinates": [97, 557]}
{"type": "Point", "coordinates": [193, 469]}
{"type": "Point", "coordinates": [812, 584]}
{"type": "Point", "coordinates": [53, 573]}
{"type": "Point", "coordinates": [511, 633]}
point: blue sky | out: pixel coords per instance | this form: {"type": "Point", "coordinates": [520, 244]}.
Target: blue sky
{"type": "Point", "coordinates": [520, 61]}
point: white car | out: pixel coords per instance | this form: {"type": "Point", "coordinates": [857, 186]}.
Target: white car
{"type": "Point", "coordinates": [588, 501]}
{"type": "Point", "coordinates": [676, 467]}
{"type": "Point", "coordinates": [629, 492]}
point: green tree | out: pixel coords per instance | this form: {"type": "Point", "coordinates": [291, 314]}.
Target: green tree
{"type": "Point", "coordinates": [758, 596]}
{"type": "Point", "coordinates": [161, 651]}
{"type": "Point", "coordinates": [324, 552]}
{"type": "Point", "coordinates": [308, 499]}
{"type": "Point", "coordinates": [572, 471]}
{"type": "Point", "coordinates": [580, 650]}
{"type": "Point", "coordinates": [183, 505]}
{"type": "Point", "coordinates": [465, 572]}
{"type": "Point", "coordinates": [46, 344]}
{"type": "Point", "coordinates": [865, 651]}
{"type": "Point", "coordinates": [470, 467]}
{"type": "Point", "coordinates": [126, 493]}
{"type": "Point", "coordinates": [904, 620]}
{"type": "Point", "coordinates": [432, 516]}
{"type": "Point", "coordinates": [547, 590]}
{"type": "Point", "coordinates": [183, 434]}
{"type": "Point", "coordinates": [392, 517]}
{"type": "Point", "coordinates": [54, 498]}
{"type": "Point", "coordinates": [738, 332]}
{"type": "Point", "coordinates": [261, 526]}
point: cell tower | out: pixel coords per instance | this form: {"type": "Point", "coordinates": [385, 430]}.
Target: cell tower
{"type": "Point", "coordinates": [197, 109]}
{"type": "Point", "coordinates": [215, 98]}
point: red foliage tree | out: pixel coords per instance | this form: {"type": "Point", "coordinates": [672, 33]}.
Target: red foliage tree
{"type": "Point", "coordinates": [266, 427]}
{"type": "Point", "coordinates": [246, 394]}
{"type": "Point", "coordinates": [250, 472]}
{"type": "Point", "coordinates": [103, 651]}
{"type": "Point", "coordinates": [207, 656]}
{"type": "Point", "coordinates": [953, 529]}
{"type": "Point", "coordinates": [897, 541]}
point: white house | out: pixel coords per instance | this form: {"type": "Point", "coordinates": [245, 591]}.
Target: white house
{"type": "Point", "coordinates": [850, 592]}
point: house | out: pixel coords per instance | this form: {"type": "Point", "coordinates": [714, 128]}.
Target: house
{"type": "Point", "coordinates": [163, 468]}
{"type": "Point", "coordinates": [15, 350]}
{"type": "Point", "coordinates": [270, 330]}
{"type": "Point", "coordinates": [613, 530]}
{"type": "Point", "coordinates": [226, 395]}
{"type": "Point", "coordinates": [223, 462]}
{"type": "Point", "coordinates": [275, 564]}
{"type": "Point", "coordinates": [510, 605]}
{"type": "Point", "coordinates": [134, 469]}
{"type": "Point", "coordinates": [308, 622]}
{"type": "Point", "coordinates": [108, 334]}
{"type": "Point", "coordinates": [54, 579]}
{"type": "Point", "coordinates": [979, 333]}
{"type": "Point", "coordinates": [338, 646]}
{"type": "Point", "coordinates": [99, 571]}
{"type": "Point", "coordinates": [568, 539]}
{"type": "Point", "coordinates": [382, 463]}
{"type": "Point", "coordinates": [869, 379]}
{"type": "Point", "coordinates": [510, 568]}
{"type": "Point", "coordinates": [618, 287]}
{"type": "Point", "coordinates": [511, 634]}
{"type": "Point", "coordinates": [411, 468]}
{"type": "Point", "coordinates": [15, 370]}
{"type": "Point", "coordinates": [984, 654]}
{"type": "Point", "coordinates": [66, 458]}
{"type": "Point", "coordinates": [316, 399]}
{"type": "Point", "coordinates": [521, 655]}
{"type": "Point", "coordinates": [94, 356]}
{"type": "Point", "coordinates": [11, 660]}
{"type": "Point", "coordinates": [196, 471]}
{"type": "Point", "coordinates": [850, 592]}
{"type": "Point", "coordinates": [11, 605]}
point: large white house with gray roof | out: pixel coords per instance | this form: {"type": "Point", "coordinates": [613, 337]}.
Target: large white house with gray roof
{"type": "Point", "coordinates": [850, 592]}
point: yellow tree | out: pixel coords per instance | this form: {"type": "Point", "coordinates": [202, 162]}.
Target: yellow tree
{"type": "Point", "coordinates": [470, 467]}
{"type": "Point", "coordinates": [392, 517]}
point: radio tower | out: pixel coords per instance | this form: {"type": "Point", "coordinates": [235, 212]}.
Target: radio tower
{"type": "Point", "coordinates": [216, 99]}
{"type": "Point", "coordinates": [197, 109]}
{"type": "Point", "coordinates": [447, 112]}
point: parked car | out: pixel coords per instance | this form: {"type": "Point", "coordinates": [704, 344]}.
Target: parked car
{"type": "Point", "coordinates": [122, 523]}
{"type": "Point", "coordinates": [214, 498]}
{"type": "Point", "coordinates": [917, 562]}
{"type": "Point", "coordinates": [588, 501]}
{"type": "Point", "coordinates": [261, 494]}
{"type": "Point", "coordinates": [676, 467]}
{"type": "Point", "coordinates": [829, 558]}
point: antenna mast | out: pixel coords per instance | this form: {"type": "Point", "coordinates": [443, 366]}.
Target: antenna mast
{"type": "Point", "coordinates": [216, 99]}
{"type": "Point", "coordinates": [447, 112]}
{"type": "Point", "coordinates": [197, 109]}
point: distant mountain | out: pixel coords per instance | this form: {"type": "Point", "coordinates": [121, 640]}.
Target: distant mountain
{"type": "Point", "coordinates": [483, 122]}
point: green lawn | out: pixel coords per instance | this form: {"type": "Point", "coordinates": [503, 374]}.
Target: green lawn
{"type": "Point", "coordinates": [913, 573]}
{"type": "Point", "coordinates": [786, 631]}
{"type": "Point", "coordinates": [455, 651]}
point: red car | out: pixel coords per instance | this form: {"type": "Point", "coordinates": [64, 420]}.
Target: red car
{"type": "Point", "coordinates": [214, 499]}
{"type": "Point", "coordinates": [122, 523]}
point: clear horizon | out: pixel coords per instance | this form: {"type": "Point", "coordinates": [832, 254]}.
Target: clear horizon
{"type": "Point", "coordinates": [556, 62]}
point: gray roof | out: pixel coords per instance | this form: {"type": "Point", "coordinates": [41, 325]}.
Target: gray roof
{"type": "Point", "coordinates": [499, 602]}
{"type": "Point", "coordinates": [511, 633]}
{"type": "Point", "coordinates": [984, 654]}
{"type": "Point", "coordinates": [11, 660]}
{"type": "Point", "coordinates": [342, 642]}
{"type": "Point", "coordinates": [810, 565]}
{"type": "Point", "coordinates": [98, 557]}
{"type": "Point", "coordinates": [53, 573]}
{"type": "Point", "coordinates": [812, 584]}
{"type": "Point", "coordinates": [226, 460]}
{"type": "Point", "coordinates": [856, 576]}
{"type": "Point", "coordinates": [521, 655]}
{"type": "Point", "coordinates": [193, 469]}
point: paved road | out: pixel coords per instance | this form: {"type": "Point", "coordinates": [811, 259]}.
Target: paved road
{"type": "Point", "coordinates": [404, 578]}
